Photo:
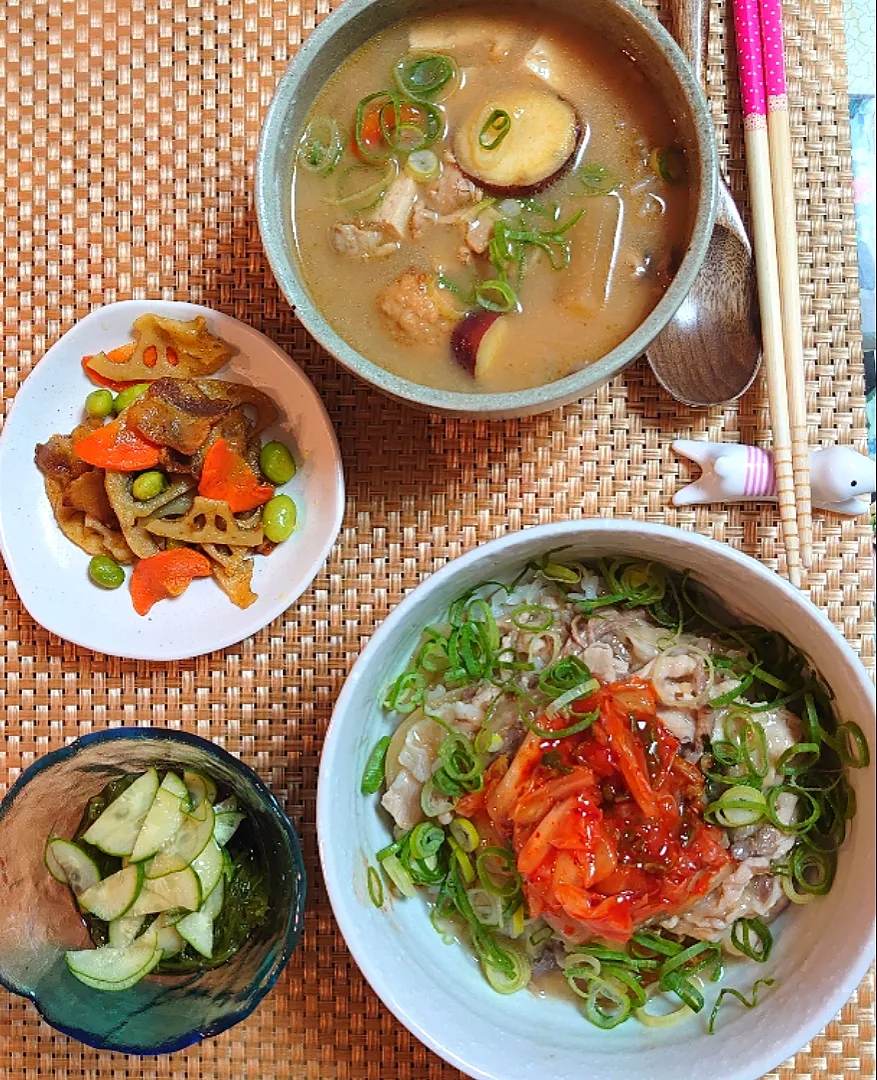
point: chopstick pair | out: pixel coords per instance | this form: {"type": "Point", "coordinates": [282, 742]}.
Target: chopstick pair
{"type": "Point", "coordinates": [759, 31]}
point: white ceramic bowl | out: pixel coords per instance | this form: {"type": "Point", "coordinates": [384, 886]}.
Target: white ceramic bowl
{"type": "Point", "coordinates": [822, 951]}
{"type": "Point", "coordinates": [50, 573]}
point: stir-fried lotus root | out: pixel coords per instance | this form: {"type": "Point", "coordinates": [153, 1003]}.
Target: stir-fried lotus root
{"type": "Point", "coordinates": [163, 347]}
{"type": "Point", "coordinates": [209, 521]}
{"type": "Point", "coordinates": [79, 502]}
{"type": "Point", "coordinates": [178, 467]}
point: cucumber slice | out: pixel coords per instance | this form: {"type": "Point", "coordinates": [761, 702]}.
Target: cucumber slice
{"type": "Point", "coordinates": [213, 904]}
{"type": "Point", "coordinates": [186, 845]}
{"type": "Point", "coordinates": [163, 822]}
{"type": "Point", "coordinates": [208, 867]}
{"type": "Point", "coordinates": [197, 929]}
{"type": "Point", "coordinates": [175, 785]}
{"type": "Point", "coordinates": [113, 896]}
{"type": "Point", "coordinates": [124, 930]}
{"type": "Point", "coordinates": [169, 941]}
{"type": "Point", "coordinates": [173, 915]}
{"type": "Point", "coordinates": [227, 806]}
{"type": "Point", "coordinates": [181, 889]}
{"type": "Point", "coordinates": [115, 969]}
{"type": "Point", "coordinates": [200, 787]}
{"type": "Point", "coordinates": [227, 865]}
{"type": "Point", "coordinates": [226, 825]}
{"type": "Point", "coordinates": [115, 831]}
{"type": "Point", "coordinates": [70, 865]}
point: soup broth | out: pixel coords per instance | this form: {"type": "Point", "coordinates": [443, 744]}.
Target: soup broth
{"type": "Point", "coordinates": [488, 202]}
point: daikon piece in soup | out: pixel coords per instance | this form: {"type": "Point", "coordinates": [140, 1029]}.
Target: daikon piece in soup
{"type": "Point", "coordinates": [489, 201]}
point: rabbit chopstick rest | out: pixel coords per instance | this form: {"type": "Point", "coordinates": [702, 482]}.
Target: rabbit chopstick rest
{"type": "Point", "coordinates": [840, 479]}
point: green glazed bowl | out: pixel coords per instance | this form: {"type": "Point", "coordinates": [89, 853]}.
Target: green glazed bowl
{"type": "Point", "coordinates": [355, 22]}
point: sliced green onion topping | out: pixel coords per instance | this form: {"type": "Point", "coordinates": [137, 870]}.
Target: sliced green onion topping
{"type": "Point", "coordinates": [752, 938]}
{"type": "Point", "coordinates": [373, 773]}
{"type": "Point", "coordinates": [405, 694]}
{"type": "Point", "coordinates": [399, 876]}
{"type": "Point", "coordinates": [375, 887]}
{"type": "Point", "coordinates": [496, 295]}
{"type": "Point", "coordinates": [320, 147]}
{"type": "Point", "coordinates": [498, 871]}
{"type": "Point", "coordinates": [465, 833]}
{"type": "Point", "coordinates": [532, 617]}
{"type": "Point", "coordinates": [740, 805]}
{"type": "Point", "coordinates": [668, 162]}
{"type": "Point", "coordinates": [424, 76]}
{"type": "Point", "coordinates": [423, 166]}
{"type": "Point", "coordinates": [363, 184]}
{"type": "Point", "coordinates": [730, 991]}
{"type": "Point", "coordinates": [597, 180]}
{"type": "Point", "coordinates": [495, 128]}
{"type": "Point", "coordinates": [607, 1004]}
{"type": "Point", "coordinates": [503, 981]}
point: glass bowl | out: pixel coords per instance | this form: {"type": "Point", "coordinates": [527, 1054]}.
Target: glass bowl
{"type": "Point", "coordinates": [39, 919]}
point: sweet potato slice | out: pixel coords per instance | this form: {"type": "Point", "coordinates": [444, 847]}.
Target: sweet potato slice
{"type": "Point", "coordinates": [165, 348]}
{"type": "Point", "coordinates": [536, 147]}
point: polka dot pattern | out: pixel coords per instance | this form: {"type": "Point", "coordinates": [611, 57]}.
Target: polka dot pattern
{"type": "Point", "coordinates": [748, 30]}
{"type": "Point", "coordinates": [772, 47]}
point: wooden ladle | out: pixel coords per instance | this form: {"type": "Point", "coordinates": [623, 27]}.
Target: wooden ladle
{"type": "Point", "coordinates": [710, 351]}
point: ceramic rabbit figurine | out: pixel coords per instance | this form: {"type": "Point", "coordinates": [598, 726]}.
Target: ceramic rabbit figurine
{"type": "Point", "coordinates": [840, 479]}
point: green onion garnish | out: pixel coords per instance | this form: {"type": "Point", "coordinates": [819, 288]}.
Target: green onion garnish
{"type": "Point", "coordinates": [668, 162]}
{"type": "Point", "coordinates": [363, 185]}
{"type": "Point", "coordinates": [562, 733]}
{"type": "Point", "coordinates": [494, 130]}
{"type": "Point", "coordinates": [373, 773]}
{"type": "Point", "coordinates": [498, 871]}
{"type": "Point", "coordinates": [752, 938]}
{"type": "Point", "coordinates": [496, 295]}
{"type": "Point", "coordinates": [597, 180]}
{"type": "Point", "coordinates": [729, 990]}
{"type": "Point", "coordinates": [375, 887]}
{"type": "Point", "coordinates": [607, 1004]}
{"type": "Point", "coordinates": [423, 166]}
{"type": "Point", "coordinates": [424, 76]}
{"type": "Point", "coordinates": [405, 694]}
{"type": "Point", "coordinates": [532, 617]}
{"type": "Point", "coordinates": [320, 147]}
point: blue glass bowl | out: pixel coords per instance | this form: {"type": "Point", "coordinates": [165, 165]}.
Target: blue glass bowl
{"type": "Point", "coordinates": [39, 920]}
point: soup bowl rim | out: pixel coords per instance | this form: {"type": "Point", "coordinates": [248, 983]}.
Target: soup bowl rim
{"type": "Point", "coordinates": [274, 220]}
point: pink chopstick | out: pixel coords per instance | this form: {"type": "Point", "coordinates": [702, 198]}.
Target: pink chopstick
{"type": "Point", "coordinates": [782, 179]}
{"type": "Point", "coordinates": [752, 87]}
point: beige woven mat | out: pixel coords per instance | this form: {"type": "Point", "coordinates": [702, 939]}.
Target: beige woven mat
{"type": "Point", "coordinates": [130, 142]}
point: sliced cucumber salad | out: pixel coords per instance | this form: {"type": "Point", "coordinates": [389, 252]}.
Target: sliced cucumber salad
{"type": "Point", "coordinates": [163, 878]}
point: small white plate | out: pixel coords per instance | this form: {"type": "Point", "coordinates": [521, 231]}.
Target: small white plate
{"type": "Point", "coordinates": [50, 572]}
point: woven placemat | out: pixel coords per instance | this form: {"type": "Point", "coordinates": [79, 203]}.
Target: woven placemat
{"type": "Point", "coordinates": [130, 142]}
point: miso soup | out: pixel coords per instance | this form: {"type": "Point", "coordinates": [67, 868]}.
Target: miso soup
{"type": "Point", "coordinates": [488, 201]}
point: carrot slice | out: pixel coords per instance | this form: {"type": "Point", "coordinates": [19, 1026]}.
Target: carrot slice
{"type": "Point", "coordinates": [226, 476]}
{"type": "Point", "coordinates": [117, 447]}
{"type": "Point", "coordinates": [118, 356]}
{"type": "Point", "coordinates": [167, 574]}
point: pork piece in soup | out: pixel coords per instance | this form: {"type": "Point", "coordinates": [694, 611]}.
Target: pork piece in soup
{"type": "Point", "coordinates": [489, 202]}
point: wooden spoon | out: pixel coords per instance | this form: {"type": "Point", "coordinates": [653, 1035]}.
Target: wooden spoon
{"type": "Point", "coordinates": [710, 351]}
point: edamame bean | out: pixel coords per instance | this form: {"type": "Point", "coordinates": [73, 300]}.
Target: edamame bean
{"type": "Point", "coordinates": [148, 485]}
{"type": "Point", "coordinates": [278, 518]}
{"type": "Point", "coordinates": [129, 394]}
{"type": "Point", "coordinates": [106, 572]}
{"type": "Point", "coordinates": [99, 403]}
{"type": "Point", "coordinates": [276, 463]}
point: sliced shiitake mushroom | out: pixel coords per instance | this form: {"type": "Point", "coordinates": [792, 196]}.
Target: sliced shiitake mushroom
{"type": "Point", "coordinates": [518, 141]}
